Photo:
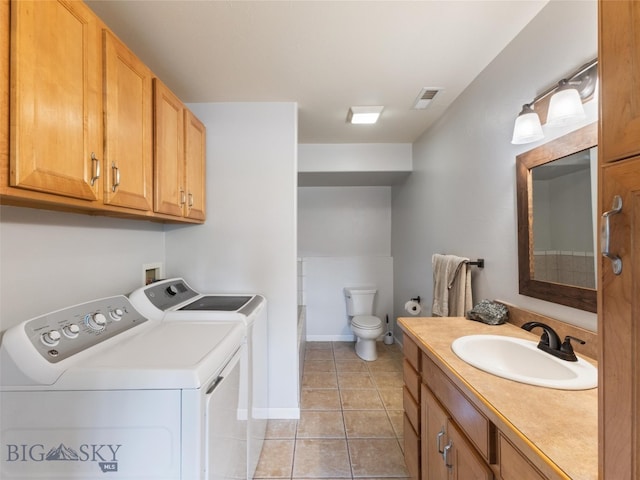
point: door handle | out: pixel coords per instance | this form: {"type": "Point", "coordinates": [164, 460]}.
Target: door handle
{"type": "Point", "coordinates": [445, 455]}
{"type": "Point", "coordinates": [95, 163]}
{"type": "Point", "coordinates": [439, 441]}
{"type": "Point", "coordinates": [116, 176]}
{"type": "Point", "coordinates": [605, 235]}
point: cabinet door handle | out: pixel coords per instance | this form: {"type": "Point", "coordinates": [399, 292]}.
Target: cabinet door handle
{"type": "Point", "coordinates": [183, 198]}
{"type": "Point", "coordinates": [616, 261]}
{"type": "Point", "coordinates": [445, 455]}
{"type": "Point", "coordinates": [116, 176]}
{"type": "Point", "coordinates": [95, 164]}
{"type": "Point", "coordinates": [190, 199]}
{"type": "Point", "coordinates": [439, 441]}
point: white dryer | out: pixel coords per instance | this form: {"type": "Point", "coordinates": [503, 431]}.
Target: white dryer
{"type": "Point", "coordinates": [99, 391]}
{"type": "Point", "coordinates": [173, 299]}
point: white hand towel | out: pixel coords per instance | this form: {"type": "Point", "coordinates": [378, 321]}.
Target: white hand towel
{"type": "Point", "coordinates": [451, 286]}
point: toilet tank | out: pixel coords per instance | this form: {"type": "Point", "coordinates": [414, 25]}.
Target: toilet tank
{"type": "Point", "coordinates": [359, 300]}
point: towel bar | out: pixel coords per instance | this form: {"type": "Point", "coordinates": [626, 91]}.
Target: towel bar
{"type": "Point", "coordinates": [478, 263]}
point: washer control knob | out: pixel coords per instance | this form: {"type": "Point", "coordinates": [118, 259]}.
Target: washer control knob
{"type": "Point", "coordinates": [51, 338]}
{"type": "Point", "coordinates": [96, 322]}
{"type": "Point", "coordinates": [71, 331]}
{"type": "Point", "coordinates": [172, 290]}
{"type": "Point", "coordinates": [117, 314]}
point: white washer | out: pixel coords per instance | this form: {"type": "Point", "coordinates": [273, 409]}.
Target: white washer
{"type": "Point", "coordinates": [173, 299]}
{"type": "Point", "coordinates": [99, 391]}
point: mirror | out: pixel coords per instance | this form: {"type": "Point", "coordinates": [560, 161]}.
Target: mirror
{"type": "Point", "coordinates": [556, 218]}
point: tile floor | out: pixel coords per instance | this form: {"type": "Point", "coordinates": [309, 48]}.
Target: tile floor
{"type": "Point", "coordinates": [350, 424]}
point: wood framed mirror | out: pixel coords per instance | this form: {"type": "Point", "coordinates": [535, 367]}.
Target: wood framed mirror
{"type": "Point", "coordinates": [556, 194]}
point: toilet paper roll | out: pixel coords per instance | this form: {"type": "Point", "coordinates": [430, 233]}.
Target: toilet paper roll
{"type": "Point", "coordinates": [413, 307]}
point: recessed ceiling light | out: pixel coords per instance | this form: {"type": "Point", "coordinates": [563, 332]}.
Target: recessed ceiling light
{"type": "Point", "coordinates": [364, 115]}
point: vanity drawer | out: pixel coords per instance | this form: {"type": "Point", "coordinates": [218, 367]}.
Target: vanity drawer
{"type": "Point", "coordinates": [411, 450]}
{"type": "Point", "coordinates": [476, 426]}
{"type": "Point", "coordinates": [514, 465]}
{"type": "Point", "coordinates": [411, 379]}
{"type": "Point", "coordinates": [411, 352]}
{"type": "Point", "coordinates": [411, 409]}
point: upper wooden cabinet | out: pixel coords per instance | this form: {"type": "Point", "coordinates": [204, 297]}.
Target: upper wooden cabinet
{"type": "Point", "coordinates": [619, 76]}
{"type": "Point", "coordinates": [128, 127]}
{"type": "Point", "coordinates": [179, 151]}
{"type": "Point", "coordinates": [81, 122]}
{"type": "Point", "coordinates": [55, 107]}
{"type": "Point", "coordinates": [195, 169]}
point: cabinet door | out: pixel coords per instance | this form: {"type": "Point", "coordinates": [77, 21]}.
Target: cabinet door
{"type": "Point", "coordinates": [56, 90]}
{"type": "Point", "coordinates": [619, 326]}
{"type": "Point", "coordinates": [463, 461]}
{"type": "Point", "coordinates": [169, 193]}
{"type": "Point", "coordinates": [195, 168]}
{"type": "Point", "coordinates": [128, 117]}
{"type": "Point", "coordinates": [619, 76]}
{"type": "Point", "coordinates": [434, 437]}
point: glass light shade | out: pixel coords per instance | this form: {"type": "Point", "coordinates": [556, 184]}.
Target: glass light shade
{"type": "Point", "coordinates": [527, 128]}
{"type": "Point", "coordinates": [364, 115]}
{"type": "Point", "coordinates": [565, 107]}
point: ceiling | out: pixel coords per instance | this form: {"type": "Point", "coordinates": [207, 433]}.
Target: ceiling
{"type": "Point", "coordinates": [324, 55]}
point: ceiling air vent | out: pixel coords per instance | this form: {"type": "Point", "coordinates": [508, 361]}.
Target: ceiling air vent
{"type": "Point", "coordinates": [425, 97]}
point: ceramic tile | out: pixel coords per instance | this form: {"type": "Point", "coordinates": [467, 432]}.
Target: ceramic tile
{"type": "Point", "coordinates": [319, 380]}
{"type": "Point", "coordinates": [321, 458]}
{"type": "Point", "coordinates": [351, 365]}
{"type": "Point", "coordinates": [391, 398]}
{"type": "Point", "coordinates": [318, 355]}
{"type": "Point", "coordinates": [320, 399]}
{"type": "Point", "coordinates": [376, 457]}
{"type": "Point", "coordinates": [319, 366]}
{"type": "Point", "coordinates": [367, 424]}
{"type": "Point", "coordinates": [319, 345]}
{"type": "Point", "coordinates": [281, 429]}
{"type": "Point", "coordinates": [355, 380]}
{"type": "Point", "coordinates": [387, 379]}
{"type": "Point", "coordinates": [360, 399]}
{"type": "Point", "coordinates": [276, 459]}
{"type": "Point", "coordinates": [320, 424]}
{"type": "Point", "coordinates": [397, 421]}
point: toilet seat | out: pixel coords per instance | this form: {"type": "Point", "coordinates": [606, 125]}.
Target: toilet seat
{"type": "Point", "coordinates": [366, 322]}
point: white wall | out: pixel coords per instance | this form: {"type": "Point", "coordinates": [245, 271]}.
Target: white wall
{"type": "Point", "coordinates": [248, 243]}
{"type": "Point", "coordinates": [461, 198]}
{"type": "Point", "coordinates": [344, 239]}
{"type": "Point", "coordinates": [354, 157]}
{"type": "Point", "coordinates": [51, 260]}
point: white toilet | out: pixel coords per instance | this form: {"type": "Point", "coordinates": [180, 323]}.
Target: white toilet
{"type": "Point", "coordinates": [364, 325]}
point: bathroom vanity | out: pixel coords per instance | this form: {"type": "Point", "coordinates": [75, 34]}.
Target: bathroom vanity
{"type": "Point", "coordinates": [463, 423]}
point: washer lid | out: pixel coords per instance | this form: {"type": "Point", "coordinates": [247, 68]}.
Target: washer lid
{"type": "Point", "coordinates": [169, 356]}
{"type": "Point", "coordinates": [366, 322]}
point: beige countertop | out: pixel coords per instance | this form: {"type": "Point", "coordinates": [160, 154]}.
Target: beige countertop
{"type": "Point", "coordinates": [557, 429]}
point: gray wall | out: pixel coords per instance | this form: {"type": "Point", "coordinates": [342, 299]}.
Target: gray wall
{"type": "Point", "coordinates": [461, 199]}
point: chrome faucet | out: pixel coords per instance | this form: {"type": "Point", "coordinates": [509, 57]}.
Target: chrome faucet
{"type": "Point", "coordinates": [550, 342]}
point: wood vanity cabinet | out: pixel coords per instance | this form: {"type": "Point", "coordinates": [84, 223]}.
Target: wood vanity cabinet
{"type": "Point", "coordinates": [179, 148]}
{"type": "Point", "coordinates": [411, 401]}
{"type": "Point", "coordinates": [128, 127]}
{"type": "Point", "coordinates": [619, 295]}
{"type": "Point", "coordinates": [456, 440]}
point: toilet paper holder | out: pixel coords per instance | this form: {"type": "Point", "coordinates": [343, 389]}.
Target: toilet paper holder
{"type": "Point", "coordinates": [417, 299]}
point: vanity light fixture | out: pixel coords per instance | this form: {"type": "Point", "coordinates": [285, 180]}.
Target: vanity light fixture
{"type": "Point", "coordinates": [527, 128]}
{"type": "Point", "coordinates": [364, 115]}
{"type": "Point", "coordinates": [564, 105]}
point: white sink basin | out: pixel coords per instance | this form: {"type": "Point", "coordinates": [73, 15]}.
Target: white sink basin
{"type": "Point", "coordinates": [521, 360]}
